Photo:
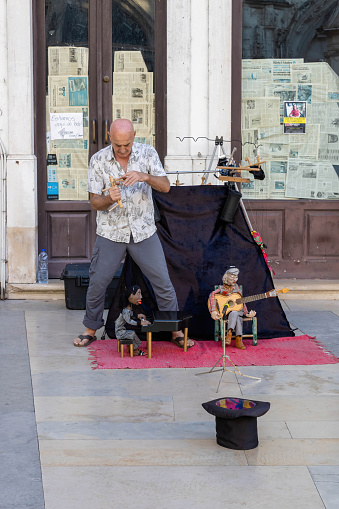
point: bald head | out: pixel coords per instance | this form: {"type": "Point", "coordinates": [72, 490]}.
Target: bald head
{"type": "Point", "coordinates": [122, 136]}
{"type": "Point", "coordinates": [121, 125]}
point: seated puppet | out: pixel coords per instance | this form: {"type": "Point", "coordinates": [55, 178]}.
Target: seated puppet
{"type": "Point", "coordinates": [129, 322]}
{"type": "Point", "coordinates": [235, 318]}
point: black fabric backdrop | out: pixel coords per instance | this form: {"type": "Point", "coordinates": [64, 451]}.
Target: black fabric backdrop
{"type": "Point", "coordinates": [199, 248]}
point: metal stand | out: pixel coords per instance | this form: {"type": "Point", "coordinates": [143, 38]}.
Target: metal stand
{"type": "Point", "coordinates": [246, 215]}
{"type": "Point", "coordinates": [224, 357]}
{"type": "Point", "coordinates": [218, 145]}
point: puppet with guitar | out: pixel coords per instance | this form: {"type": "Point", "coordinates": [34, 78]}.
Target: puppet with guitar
{"type": "Point", "coordinates": [226, 302]}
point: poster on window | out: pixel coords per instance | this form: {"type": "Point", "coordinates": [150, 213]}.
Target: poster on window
{"type": "Point", "coordinates": [294, 117]}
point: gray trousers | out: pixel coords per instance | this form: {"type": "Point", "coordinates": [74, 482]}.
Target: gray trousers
{"type": "Point", "coordinates": [235, 322]}
{"type": "Point", "coordinates": [106, 259]}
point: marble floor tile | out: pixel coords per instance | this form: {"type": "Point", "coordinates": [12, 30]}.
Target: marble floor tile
{"type": "Point", "coordinates": [217, 487]}
{"type": "Point", "coordinates": [61, 336]}
{"type": "Point", "coordinates": [54, 324]}
{"type": "Point", "coordinates": [270, 430]}
{"type": "Point", "coordinates": [109, 408]}
{"type": "Point", "coordinates": [53, 348]}
{"type": "Point", "coordinates": [68, 382]}
{"type": "Point", "coordinates": [136, 452]}
{"type": "Point", "coordinates": [313, 324]}
{"type": "Point", "coordinates": [187, 406]}
{"type": "Point", "coordinates": [104, 430]}
{"type": "Point", "coordinates": [312, 305]}
{"type": "Point", "coordinates": [60, 364]}
{"type": "Point", "coordinates": [295, 452]}
{"type": "Point", "coordinates": [121, 436]}
{"type": "Point", "coordinates": [49, 337]}
{"type": "Point", "coordinates": [320, 380]}
{"type": "Point", "coordinates": [326, 480]}
{"type": "Point", "coordinates": [299, 408]}
{"type": "Point", "coordinates": [314, 429]}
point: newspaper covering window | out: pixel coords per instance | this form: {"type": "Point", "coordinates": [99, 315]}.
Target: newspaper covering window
{"type": "Point", "coordinates": [300, 163]}
{"type": "Point", "coordinates": [67, 101]}
{"type": "Point", "coordinates": [133, 95]}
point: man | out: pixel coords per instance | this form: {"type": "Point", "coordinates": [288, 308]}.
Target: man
{"type": "Point", "coordinates": [128, 229]}
{"type": "Point", "coordinates": [235, 318]}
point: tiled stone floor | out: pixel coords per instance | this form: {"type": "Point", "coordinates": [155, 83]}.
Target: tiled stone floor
{"type": "Point", "coordinates": [73, 437]}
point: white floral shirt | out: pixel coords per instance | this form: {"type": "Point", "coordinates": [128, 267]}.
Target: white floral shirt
{"type": "Point", "coordinates": [137, 215]}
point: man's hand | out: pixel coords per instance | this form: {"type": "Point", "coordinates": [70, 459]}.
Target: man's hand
{"type": "Point", "coordinates": [215, 315]}
{"type": "Point", "coordinates": [135, 176]}
{"type": "Point", "coordinates": [251, 314]}
{"type": "Point", "coordinates": [114, 193]}
{"type": "Point", "coordinates": [161, 184]}
{"type": "Point", "coordinates": [145, 322]}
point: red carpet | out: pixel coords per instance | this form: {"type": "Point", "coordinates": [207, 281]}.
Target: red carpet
{"type": "Point", "coordinates": [299, 350]}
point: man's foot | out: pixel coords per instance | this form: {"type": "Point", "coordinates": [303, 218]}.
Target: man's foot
{"type": "Point", "coordinates": [86, 338]}
{"type": "Point", "coordinates": [178, 339]}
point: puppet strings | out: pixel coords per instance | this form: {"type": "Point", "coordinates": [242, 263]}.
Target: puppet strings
{"type": "Point", "coordinates": [256, 145]}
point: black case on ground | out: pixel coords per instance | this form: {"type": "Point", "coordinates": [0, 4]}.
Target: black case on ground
{"type": "Point", "coordinates": [76, 280]}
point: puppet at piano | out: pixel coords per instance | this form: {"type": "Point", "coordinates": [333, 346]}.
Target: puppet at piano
{"type": "Point", "coordinates": [129, 321]}
{"type": "Point", "coordinates": [235, 318]}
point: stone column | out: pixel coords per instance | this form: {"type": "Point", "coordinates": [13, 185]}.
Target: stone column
{"type": "Point", "coordinates": [21, 162]}
{"type": "Point", "coordinates": [198, 83]}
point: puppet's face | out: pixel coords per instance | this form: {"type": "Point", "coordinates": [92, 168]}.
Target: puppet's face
{"type": "Point", "coordinates": [135, 298]}
{"type": "Point", "coordinates": [229, 279]}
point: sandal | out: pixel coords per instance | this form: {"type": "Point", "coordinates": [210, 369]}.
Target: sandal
{"type": "Point", "coordinates": [176, 342]}
{"type": "Point", "coordinates": [138, 352]}
{"type": "Point", "coordinates": [85, 336]}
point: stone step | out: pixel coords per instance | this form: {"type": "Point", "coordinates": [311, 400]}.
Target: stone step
{"type": "Point", "coordinates": [53, 290]}
{"type": "Point", "coordinates": [308, 288]}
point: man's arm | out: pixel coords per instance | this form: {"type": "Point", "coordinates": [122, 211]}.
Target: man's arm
{"type": "Point", "coordinates": [103, 202]}
{"type": "Point", "coordinates": [161, 184]}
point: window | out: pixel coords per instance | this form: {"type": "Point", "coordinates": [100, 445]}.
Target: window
{"type": "Point", "coordinates": [290, 97]}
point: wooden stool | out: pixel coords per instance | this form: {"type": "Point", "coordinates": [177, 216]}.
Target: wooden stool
{"type": "Point", "coordinates": [121, 349]}
{"type": "Point", "coordinates": [167, 321]}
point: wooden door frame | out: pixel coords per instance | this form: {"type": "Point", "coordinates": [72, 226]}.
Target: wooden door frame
{"type": "Point", "coordinates": [236, 56]}
{"type": "Point", "coordinates": [97, 99]}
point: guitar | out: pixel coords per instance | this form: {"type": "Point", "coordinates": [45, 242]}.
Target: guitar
{"type": "Point", "coordinates": [235, 302]}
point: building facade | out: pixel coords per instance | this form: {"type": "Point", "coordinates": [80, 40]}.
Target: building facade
{"type": "Point", "coordinates": [179, 70]}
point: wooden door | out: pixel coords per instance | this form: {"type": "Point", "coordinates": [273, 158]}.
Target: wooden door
{"type": "Point", "coordinates": [76, 48]}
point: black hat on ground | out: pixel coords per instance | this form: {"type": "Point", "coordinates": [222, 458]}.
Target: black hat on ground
{"type": "Point", "coordinates": [236, 421]}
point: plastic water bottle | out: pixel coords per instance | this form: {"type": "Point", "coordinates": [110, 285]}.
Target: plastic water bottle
{"type": "Point", "coordinates": [43, 267]}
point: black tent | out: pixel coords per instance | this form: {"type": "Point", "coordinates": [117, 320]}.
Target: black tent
{"type": "Point", "coordinates": [199, 247]}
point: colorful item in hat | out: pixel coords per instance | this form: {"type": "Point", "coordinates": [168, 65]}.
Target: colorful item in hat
{"type": "Point", "coordinates": [234, 403]}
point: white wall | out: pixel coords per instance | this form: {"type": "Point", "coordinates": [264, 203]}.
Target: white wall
{"type": "Point", "coordinates": [3, 74]}
{"type": "Point", "coordinates": [198, 83]}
